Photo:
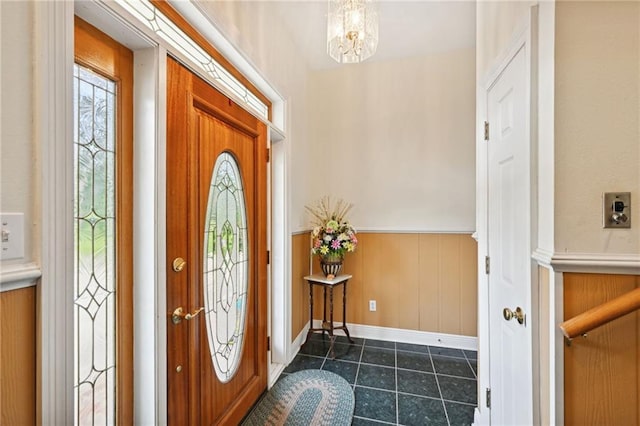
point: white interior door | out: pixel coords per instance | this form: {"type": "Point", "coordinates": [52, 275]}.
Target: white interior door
{"type": "Point", "coordinates": [509, 235]}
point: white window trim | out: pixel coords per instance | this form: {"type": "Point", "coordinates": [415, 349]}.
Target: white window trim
{"type": "Point", "coordinates": [54, 120]}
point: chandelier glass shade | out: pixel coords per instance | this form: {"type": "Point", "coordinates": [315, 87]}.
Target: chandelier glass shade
{"type": "Point", "coordinates": [352, 30]}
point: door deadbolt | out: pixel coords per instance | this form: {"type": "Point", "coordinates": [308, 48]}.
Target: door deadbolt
{"type": "Point", "coordinates": [518, 314]}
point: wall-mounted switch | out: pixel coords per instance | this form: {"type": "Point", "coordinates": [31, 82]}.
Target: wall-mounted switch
{"type": "Point", "coordinates": [616, 210]}
{"type": "Point", "coordinates": [11, 236]}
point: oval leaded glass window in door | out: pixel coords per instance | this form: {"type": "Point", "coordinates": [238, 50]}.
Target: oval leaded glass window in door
{"type": "Point", "coordinates": [225, 268]}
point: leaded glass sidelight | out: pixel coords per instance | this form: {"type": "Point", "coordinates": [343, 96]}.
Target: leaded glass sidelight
{"type": "Point", "coordinates": [94, 254]}
{"type": "Point", "coordinates": [225, 268]}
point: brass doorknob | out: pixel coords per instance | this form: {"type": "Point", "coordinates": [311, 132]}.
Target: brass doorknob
{"type": "Point", "coordinates": [178, 264]}
{"type": "Point", "coordinates": [518, 314]}
{"type": "Point", "coordinates": [179, 313]}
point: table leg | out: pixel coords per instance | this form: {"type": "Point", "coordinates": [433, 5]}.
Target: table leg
{"type": "Point", "coordinates": [331, 336]}
{"type": "Point", "coordinates": [344, 312]}
{"type": "Point", "coordinates": [324, 305]}
{"type": "Point", "coordinates": [310, 313]}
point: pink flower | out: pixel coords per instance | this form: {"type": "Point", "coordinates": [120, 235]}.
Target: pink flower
{"type": "Point", "coordinates": [317, 243]}
{"type": "Point", "coordinates": [335, 244]}
{"type": "Point", "coordinates": [354, 240]}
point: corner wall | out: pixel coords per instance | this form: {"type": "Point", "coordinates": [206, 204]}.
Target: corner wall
{"type": "Point", "coordinates": [19, 160]}
{"type": "Point", "coordinates": [396, 139]}
{"type": "Point", "coordinates": [597, 133]}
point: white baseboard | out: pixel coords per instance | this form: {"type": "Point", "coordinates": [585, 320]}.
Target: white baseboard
{"type": "Point", "coordinates": [297, 342]}
{"type": "Point", "coordinates": [408, 336]}
{"type": "Point", "coordinates": [481, 417]}
{"type": "Point", "coordinates": [275, 370]}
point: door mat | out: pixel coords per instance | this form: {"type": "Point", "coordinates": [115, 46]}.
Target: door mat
{"type": "Point", "coordinates": [307, 397]}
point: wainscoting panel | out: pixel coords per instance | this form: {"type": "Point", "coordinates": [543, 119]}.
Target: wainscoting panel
{"type": "Point", "coordinates": [424, 282]}
{"type": "Point", "coordinates": [448, 284]}
{"type": "Point", "coordinates": [602, 371]}
{"type": "Point", "coordinates": [544, 349]}
{"type": "Point", "coordinates": [18, 357]}
{"type": "Point", "coordinates": [299, 291]}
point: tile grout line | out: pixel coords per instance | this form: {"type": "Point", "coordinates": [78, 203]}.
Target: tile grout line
{"type": "Point", "coordinates": [382, 422]}
{"type": "Point", "coordinates": [444, 407]}
{"type": "Point", "coordinates": [475, 375]}
{"type": "Point", "coordinates": [355, 379]}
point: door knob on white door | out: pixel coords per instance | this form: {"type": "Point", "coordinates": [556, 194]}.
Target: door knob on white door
{"type": "Point", "coordinates": [518, 314]}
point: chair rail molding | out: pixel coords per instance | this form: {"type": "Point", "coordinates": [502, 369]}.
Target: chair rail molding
{"type": "Point", "coordinates": [593, 263]}
{"type": "Point", "coordinates": [13, 277]}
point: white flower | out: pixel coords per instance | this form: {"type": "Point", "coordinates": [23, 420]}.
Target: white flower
{"type": "Point", "coordinates": [343, 237]}
{"type": "Point", "coordinates": [328, 238]}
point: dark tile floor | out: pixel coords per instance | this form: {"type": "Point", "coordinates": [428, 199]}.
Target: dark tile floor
{"type": "Point", "coordinates": [399, 383]}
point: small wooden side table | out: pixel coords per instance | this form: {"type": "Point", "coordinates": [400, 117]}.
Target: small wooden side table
{"type": "Point", "coordinates": [327, 326]}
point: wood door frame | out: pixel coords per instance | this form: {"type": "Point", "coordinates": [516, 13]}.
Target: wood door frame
{"type": "Point", "coordinates": [53, 129]}
{"type": "Point", "coordinates": [524, 37]}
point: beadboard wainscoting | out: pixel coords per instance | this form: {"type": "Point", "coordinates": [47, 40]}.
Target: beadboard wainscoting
{"type": "Point", "coordinates": [18, 356]}
{"type": "Point", "coordinates": [420, 281]}
{"type": "Point", "coordinates": [602, 371]}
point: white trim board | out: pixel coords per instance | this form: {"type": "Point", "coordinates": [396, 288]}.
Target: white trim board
{"type": "Point", "coordinates": [14, 277]}
{"type": "Point", "coordinates": [408, 336]}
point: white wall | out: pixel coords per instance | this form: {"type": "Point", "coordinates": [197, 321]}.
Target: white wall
{"type": "Point", "coordinates": [396, 139]}
{"type": "Point", "coordinates": [597, 132]}
{"type": "Point", "coordinates": [18, 158]}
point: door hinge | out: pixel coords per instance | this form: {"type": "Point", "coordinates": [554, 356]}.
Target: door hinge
{"type": "Point", "coordinates": [487, 264]}
{"type": "Point", "coordinates": [488, 398]}
{"type": "Point", "coordinates": [268, 257]}
{"type": "Point", "coordinates": [268, 154]}
{"type": "Point", "coordinates": [268, 343]}
{"type": "Point", "coordinates": [486, 130]}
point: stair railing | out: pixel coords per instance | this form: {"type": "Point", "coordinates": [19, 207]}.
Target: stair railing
{"type": "Point", "coordinates": [581, 324]}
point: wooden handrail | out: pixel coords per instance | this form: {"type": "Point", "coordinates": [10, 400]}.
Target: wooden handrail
{"type": "Point", "coordinates": [601, 314]}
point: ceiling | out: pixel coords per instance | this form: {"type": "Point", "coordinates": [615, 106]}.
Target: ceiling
{"type": "Point", "coordinates": [407, 28]}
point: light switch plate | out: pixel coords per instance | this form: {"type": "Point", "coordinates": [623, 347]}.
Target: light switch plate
{"type": "Point", "coordinates": [11, 236]}
{"type": "Point", "coordinates": [616, 210]}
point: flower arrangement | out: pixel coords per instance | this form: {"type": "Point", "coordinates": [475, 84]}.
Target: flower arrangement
{"type": "Point", "coordinates": [332, 234]}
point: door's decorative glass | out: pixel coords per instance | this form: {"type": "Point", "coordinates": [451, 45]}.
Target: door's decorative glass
{"type": "Point", "coordinates": [225, 267]}
{"type": "Point", "coordinates": [155, 20]}
{"type": "Point", "coordinates": [95, 255]}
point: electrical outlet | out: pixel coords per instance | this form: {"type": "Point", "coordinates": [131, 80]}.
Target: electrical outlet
{"type": "Point", "coordinates": [372, 305]}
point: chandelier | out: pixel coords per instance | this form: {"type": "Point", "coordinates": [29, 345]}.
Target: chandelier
{"type": "Point", "coordinates": [352, 30]}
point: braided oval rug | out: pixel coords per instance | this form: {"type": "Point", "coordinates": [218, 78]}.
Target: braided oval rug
{"type": "Point", "coordinates": [307, 397]}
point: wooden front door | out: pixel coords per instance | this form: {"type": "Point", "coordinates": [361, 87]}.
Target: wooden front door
{"type": "Point", "coordinates": [216, 223]}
